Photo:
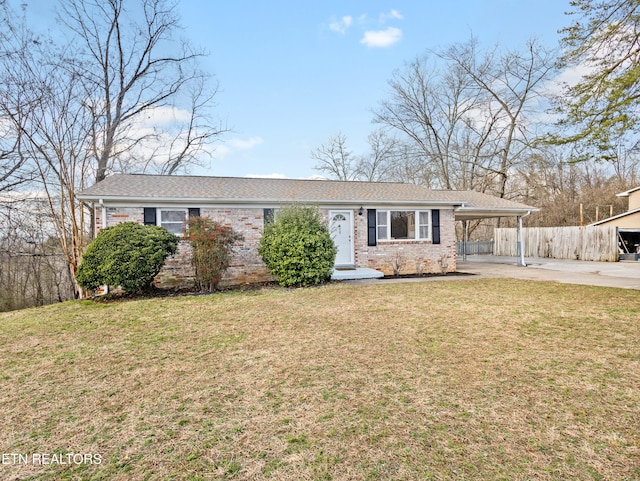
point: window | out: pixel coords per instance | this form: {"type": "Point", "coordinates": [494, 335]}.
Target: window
{"type": "Point", "coordinates": [174, 220]}
{"type": "Point", "coordinates": [423, 225]}
{"type": "Point", "coordinates": [383, 224]}
{"type": "Point", "coordinates": [403, 225]}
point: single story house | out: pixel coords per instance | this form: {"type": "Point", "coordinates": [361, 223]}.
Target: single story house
{"type": "Point", "coordinates": [627, 223]}
{"type": "Point", "coordinates": [385, 226]}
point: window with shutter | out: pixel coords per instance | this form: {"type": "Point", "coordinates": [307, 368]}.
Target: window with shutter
{"type": "Point", "coordinates": [149, 216]}
{"type": "Point", "coordinates": [403, 225]}
{"type": "Point", "coordinates": [371, 227]}
{"type": "Point", "coordinates": [435, 219]}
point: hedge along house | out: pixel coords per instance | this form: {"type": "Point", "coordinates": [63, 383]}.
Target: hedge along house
{"type": "Point", "coordinates": [384, 226]}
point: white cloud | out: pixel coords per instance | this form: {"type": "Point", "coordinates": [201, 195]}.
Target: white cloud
{"type": "Point", "coordinates": [234, 145]}
{"type": "Point", "coordinates": [341, 25]}
{"type": "Point", "coordinates": [393, 14]}
{"type": "Point", "coordinates": [165, 115]}
{"type": "Point", "coordinates": [381, 38]}
{"type": "Point", "coordinates": [240, 144]}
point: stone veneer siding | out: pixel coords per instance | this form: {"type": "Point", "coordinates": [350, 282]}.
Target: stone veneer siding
{"type": "Point", "coordinates": [403, 257]}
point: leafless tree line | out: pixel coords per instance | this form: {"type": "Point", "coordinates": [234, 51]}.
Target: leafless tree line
{"type": "Point", "coordinates": [112, 91]}
{"type": "Point", "coordinates": [469, 118]}
{"type": "Point", "coordinates": [33, 268]}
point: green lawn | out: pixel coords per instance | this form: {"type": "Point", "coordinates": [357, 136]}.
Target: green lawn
{"type": "Point", "coordinates": [455, 380]}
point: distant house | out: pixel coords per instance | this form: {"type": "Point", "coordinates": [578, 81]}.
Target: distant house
{"type": "Point", "coordinates": [627, 223]}
{"type": "Point", "coordinates": [384, 226]}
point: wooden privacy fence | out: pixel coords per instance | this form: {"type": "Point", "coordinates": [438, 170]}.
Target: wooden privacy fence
{"type": "Point", "coordinates": [596, 243]}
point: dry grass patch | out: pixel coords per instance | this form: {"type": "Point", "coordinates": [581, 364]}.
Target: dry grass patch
{"type": "Point", "coordinates": [491, 379]}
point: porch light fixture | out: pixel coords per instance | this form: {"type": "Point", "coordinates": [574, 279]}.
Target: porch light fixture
{"type": "Point", "coordinates": [361, 211]}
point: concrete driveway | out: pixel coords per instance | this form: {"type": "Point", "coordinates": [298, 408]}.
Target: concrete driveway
{"type": "Point", "coordinates": [624, 274]}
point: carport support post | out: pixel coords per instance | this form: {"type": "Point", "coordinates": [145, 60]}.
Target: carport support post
{"type": "Point", "coordinates": [465, 238]}
{"type": "Point", "coordinates": [520, 247]}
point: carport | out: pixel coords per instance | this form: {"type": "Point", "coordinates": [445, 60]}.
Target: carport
{"type": "Point", "coordinates": [475, 207]}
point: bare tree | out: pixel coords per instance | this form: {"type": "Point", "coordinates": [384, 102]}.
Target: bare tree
{"type": "Point", "coordinates": [335, 159]}
{"type": "Point", "coordinates": [131, 69]}
{"type": "Point", "coordinates": [43, 105]}
{"type": "Point", "coordinates": [511, 84]}
{"type": "Point", "coordinates": [14, 168]}
{"type": "Point", "coordinates": [338, 162]}
{"type": "Point", "coordinates": [379, 163]}
{"type": "Point", "coordinates": [33, 270]}
{"type": "Point", "coordinates": [121, 93]}
{"type": "Point", "coordinates": [429, 106]}
{"type": "Point", "coordinates": [462, 112]}
{"type": "Point", "coordinates": [559, 187]}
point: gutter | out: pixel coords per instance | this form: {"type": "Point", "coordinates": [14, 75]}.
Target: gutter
{"type": "Point", "coordinates": [254, 201]}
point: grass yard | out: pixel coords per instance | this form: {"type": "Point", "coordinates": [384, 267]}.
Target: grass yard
{"type": "Point", "coordinates": [457, 380]}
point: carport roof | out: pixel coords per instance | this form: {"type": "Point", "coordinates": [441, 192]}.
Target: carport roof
{"type": "Point", "coordinates": [244, 190]}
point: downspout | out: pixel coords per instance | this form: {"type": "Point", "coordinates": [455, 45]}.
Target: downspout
{"type": "Point", "coordinates": [104, 216]}
{"type": "Point", "coordinates": [520, 243]}
{"type": "Point", "coordinates": [105, 288]}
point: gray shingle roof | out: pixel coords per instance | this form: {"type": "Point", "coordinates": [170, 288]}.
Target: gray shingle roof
{"type": "Point", "coordinates": [139, 187]}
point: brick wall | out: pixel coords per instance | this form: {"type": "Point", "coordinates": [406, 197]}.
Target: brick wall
{"type": "Point", "coordinates": [246, 264]}
{"type": "Point", "coordinates": [405, 257]}
{"type": "Point", "coordinates": [408, 257]}
{"type": "Point", "coordinates": [117, 215]}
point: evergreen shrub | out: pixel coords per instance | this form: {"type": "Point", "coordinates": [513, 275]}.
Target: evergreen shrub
{"type": "Point", "coordinates": [297, 247]}
{"type": "Point", "coordinates": [128, 255]}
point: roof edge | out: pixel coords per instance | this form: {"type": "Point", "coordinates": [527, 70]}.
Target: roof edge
{"type": "Point", "coordinates": [627, 192]}
{"type": "Point", "coordinates": [619, 216]}
{"type": "Point", "coordinates": [209, 200]}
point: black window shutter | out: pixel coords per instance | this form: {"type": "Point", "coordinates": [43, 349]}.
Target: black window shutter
{"type": "Point", "coordinates": [371, 227]}
{"type": "Point", "coordinates": [435, 219]}
{"type": "Point", "coordinates": [267, 215]}
{"type": "Point", "coordinates": [194, 212]}
{"type": "Point", "coordinates": [149, 216]}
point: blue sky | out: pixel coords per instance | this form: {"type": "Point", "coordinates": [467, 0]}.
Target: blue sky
{"type": "Point", "coordinates": [294, 73]}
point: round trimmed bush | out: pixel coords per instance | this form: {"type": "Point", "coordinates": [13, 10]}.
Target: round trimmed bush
{"type": "Point", "coordinates": [297, 247]}
{"type": "Point", "coordinates": [128, 255]}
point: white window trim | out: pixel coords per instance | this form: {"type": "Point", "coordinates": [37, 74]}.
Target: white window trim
{"type": "Point", "coordinates": [159, 211]}
{"type": "Point", "coordinates": [416, 227]}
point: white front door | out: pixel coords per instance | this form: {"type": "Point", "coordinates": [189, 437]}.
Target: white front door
{"type": "Point", "coordinates": [341, 228]}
